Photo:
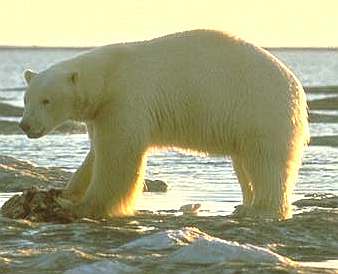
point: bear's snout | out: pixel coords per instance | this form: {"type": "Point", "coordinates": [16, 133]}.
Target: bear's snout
{"type": "Point", "coordinates": [30, 130]}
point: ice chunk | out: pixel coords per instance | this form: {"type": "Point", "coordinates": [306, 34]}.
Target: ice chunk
{"type": "Point", "coordinates": [165, 239]}
{"type": "Point", "coordinates": [213, 250]}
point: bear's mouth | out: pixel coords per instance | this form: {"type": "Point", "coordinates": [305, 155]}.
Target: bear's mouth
{"type": "Point", "coordinates": [36, 134]}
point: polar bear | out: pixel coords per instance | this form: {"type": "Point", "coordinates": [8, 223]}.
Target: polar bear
{"type": "Point", "coordinates": [201, 90]}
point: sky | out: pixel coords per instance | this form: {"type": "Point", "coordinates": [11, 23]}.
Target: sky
{"type": "Point", "coordinates": [274, 23]}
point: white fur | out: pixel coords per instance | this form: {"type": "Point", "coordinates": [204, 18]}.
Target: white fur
{"type": "Point", "coordinates": [198, 90]}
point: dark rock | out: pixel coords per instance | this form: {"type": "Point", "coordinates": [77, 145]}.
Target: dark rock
{"type": "Point", "coordinates": [38, 206]}
{"type": "Point", "coordinates": [190, 208]}
{"type": "Point", "coordinates": [155, 186]}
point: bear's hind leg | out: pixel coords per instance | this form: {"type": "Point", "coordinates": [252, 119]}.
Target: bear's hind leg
{"type": "Point", "coordinates": [244, 181]}
{"type": "Point", "coordinates": [271, 184]}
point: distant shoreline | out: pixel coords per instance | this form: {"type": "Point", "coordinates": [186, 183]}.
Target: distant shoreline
{"type": "Point", "coordinates": [6, 47]}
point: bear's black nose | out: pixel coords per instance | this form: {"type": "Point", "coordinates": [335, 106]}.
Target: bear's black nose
{"type": "Point", "coordinates": [24, 126]}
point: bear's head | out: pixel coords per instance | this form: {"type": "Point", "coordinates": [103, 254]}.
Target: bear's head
{"type": "Point", "coordinates": [49, 100]}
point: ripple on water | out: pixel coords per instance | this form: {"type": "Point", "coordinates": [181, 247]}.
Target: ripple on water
{"type": "Point", "coordinates": [107, 267]}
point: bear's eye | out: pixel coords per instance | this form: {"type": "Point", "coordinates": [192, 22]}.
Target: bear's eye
{"type": "Point", "coordinates": [45, 101]}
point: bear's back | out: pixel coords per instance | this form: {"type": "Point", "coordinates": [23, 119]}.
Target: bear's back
{"type": "Point", "coordinates": [202, 79]}
{"type": "Point", "coordinates": [209, 66]}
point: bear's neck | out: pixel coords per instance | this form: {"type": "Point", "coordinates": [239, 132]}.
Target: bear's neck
{"type": "Point", "coordinates": [85, 110]}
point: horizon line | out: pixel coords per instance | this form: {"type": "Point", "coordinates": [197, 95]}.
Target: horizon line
{"type": "Point", "coordinates": [92, 47]}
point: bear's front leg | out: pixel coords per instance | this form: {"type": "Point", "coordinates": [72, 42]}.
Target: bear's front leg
{"type": "Point", "coordinates": [117, 176]}
{"type": "Point", "coordinates": [78, 184]}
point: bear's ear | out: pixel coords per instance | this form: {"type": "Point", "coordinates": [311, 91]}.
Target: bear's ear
{"type": "Point", "coordinates": [74, 77]}
{"type": "Point", "coordinates": [29, 75]}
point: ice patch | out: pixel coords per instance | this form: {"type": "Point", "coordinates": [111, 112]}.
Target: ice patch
{"type": "Point", "coordinates": [191, 246]}
{"type": "Point", "coordinates": [165, 239]}
{"type": "Point", "coordinates": [210, 250]}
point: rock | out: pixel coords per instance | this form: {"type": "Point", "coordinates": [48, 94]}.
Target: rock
{"type": "Point", "coordinates": [16, 175]}
{"type": "Point", "coordinates": [155, 186]}
{"type": "Point", "coordinates": [37, 205]}
{"type": "Point", "coordinates": [190, 208]}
